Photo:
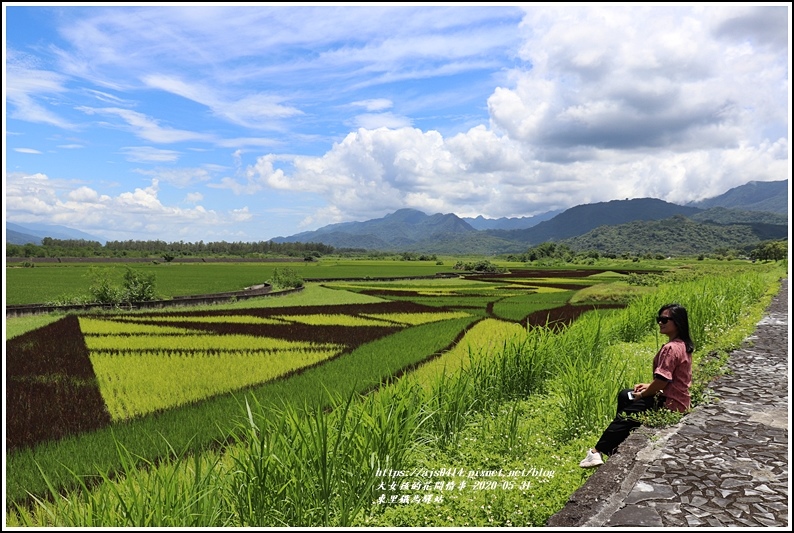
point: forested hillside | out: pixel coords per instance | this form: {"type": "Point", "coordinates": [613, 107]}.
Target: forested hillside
{"type": "Point", "coordinates": [675, 236]}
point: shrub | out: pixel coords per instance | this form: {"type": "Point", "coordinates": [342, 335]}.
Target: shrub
{"type": "Point", "coordinates": [286, 278]}
{"type": "Point", "coordinates": [102, 290]}
{"type": "Point", "coordinates": [138, 286]}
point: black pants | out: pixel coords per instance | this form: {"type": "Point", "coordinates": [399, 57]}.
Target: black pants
{"type": "Point", "coordinates": [621, 426]}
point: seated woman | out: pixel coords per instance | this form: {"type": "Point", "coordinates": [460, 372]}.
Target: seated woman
{"type": "Point", "coordinates": [672, 377]}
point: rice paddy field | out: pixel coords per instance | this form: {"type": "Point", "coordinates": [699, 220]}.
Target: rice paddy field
{"type": "Point", "coordinates": [462, 401]}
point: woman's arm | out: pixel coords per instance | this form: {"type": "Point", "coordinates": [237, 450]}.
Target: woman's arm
{"type": "Point", "coordinates": [645, 390]}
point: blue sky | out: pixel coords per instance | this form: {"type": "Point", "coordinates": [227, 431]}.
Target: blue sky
{"type": "Point", "coordinates": [219, 122]}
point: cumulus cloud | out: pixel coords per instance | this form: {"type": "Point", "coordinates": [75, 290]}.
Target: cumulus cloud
{"type": "Point", "coordinates": [194, 198]}
{"type": "Point", "coordinates": [34, 198]}
{"type": "Point", "coordinates": [757, 25]}
{"type": "Point", "coordinates": [373, 172]}
{"type": "Point", "coordinates": [618, 103]}
{"type": "Point", "coordinates": [241, 215]}
{"type": "Point", "coordinates": [179, 177]}
{"type": "Point", "coordinates": [598, 102]}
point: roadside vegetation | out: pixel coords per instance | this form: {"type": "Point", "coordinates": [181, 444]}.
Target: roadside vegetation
{"type": "Point", "coordinates": [463, 402]}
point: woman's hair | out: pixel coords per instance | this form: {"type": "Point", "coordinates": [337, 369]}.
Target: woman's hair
{"type": "Point", "coordinates": [680, 318]}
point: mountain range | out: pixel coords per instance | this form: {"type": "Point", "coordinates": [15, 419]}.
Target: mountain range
{"type": "Point", "coordinates": [740, 217]}
{"type": "Point", "coordinates": [34, 233]}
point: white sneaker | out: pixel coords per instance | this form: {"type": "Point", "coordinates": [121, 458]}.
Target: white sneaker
{"type": "Point", "coordinates": [591, 459]}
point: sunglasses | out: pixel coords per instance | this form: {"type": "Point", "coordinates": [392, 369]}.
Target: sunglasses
{"type": "Point", "coordinates": [663, 319]}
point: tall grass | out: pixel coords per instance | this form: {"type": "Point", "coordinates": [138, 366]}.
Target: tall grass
{"type": "Point", "coordinates": [299, 478]}
{"type": "Point", "coordinates": [713, 303]}
{"type": "Point", "coordinates": [451, 400]}
{"type": "Point", "coordinates": [521, 367]}
{"type": "Point", "coordinates": [583, 367]}
{"type": "Point", "coordinates": [187, 491]}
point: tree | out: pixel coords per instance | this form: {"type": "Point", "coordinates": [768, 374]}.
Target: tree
{"type": "Point", "coordinates": [770, 251]}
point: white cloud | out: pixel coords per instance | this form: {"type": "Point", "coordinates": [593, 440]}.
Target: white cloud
{"type": "Point", "coordinates": [372, 172]}
{"type": "Point", "coordinates": [257, 111]}
{"type": "Point", "coordinates": [179, 177]}
{"type": "Point", "coordinates": [373, 121]}
{"type": "Point", "coordinates": [241, 215]}
{"type": "Point", "coordinates": [261, 142]}
{"type": "Point", "coordinates": [32, 194]}
{"type": "Point", "coordinates": [644, 103]}
{"type": "Point", "coordinates": [194, 198]}
{"type": "Point", "coordinates": [26, 87]}
{"type": "Point", "coordinates": [85, 195]}
{"type": "Point", "coordinates": [374, 104]}
{"type": "Point", "coordinates": [148, 128]}
{"type": "Point", "coordinates": [37, 198]}
{"type": "Point", "coordinates": [640, 79]}
{"type": "Point", "coordinates": [147, 154]}
{"type": "Point", "coordinates": [598, 102]}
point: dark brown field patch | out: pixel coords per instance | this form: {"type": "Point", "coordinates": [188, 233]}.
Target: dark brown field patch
{"type": "Point", "coordinates": [563, 316]}
{"type": "Point", "coordinates": [51, 390]}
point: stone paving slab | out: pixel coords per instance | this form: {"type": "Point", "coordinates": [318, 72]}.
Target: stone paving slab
{"type": "Point", "coordinates": [725, 465]}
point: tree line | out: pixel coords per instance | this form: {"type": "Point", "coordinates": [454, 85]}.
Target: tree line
{"type": "Point", "coordinates": [609, 242]}
{"type": "Point", "coordinates": [50, 247]}
{"type": "Point", "coordinates": [774, 250]}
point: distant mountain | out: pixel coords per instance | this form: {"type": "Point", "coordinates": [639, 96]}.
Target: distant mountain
{"type": "Point", "coordinates": [769, 196]}
{"type": "Point", "coordinates": [31, 232]}
{"type": "Point", "coordinates": [412, 230]}
{"type": "Point", "coordinates": [583, 218]}
{"type": "Point", "coordinates": [16, 237]}
{"type": "Point", "coordinates": [708, 227]}
{"type": "Point", "coordinates": [476, 242]}
{"type": "Point", "coordinates": [402, 228]}
{"type": "Point", "coordinates": [482, 223]}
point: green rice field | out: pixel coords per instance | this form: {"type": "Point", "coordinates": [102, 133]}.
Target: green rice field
{"type": "Point", "coordinates": [355, 402]}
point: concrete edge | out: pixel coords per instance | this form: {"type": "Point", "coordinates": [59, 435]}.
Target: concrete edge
{"type": "Point", "coordinates": [605, 491]}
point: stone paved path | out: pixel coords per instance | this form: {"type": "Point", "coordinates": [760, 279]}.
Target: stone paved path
{"type": "Point", "coordinates": [725, 465]}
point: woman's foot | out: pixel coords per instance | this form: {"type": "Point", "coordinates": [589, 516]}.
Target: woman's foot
{"type": "Point", "coordinates": [593, 458]}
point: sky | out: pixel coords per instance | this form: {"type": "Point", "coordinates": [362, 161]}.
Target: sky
{"type": "Point", "coordinates": [246, 122]}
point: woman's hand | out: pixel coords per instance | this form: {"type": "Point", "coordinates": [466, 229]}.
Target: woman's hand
{"type": "Point", "coordinates": [639, 390]}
